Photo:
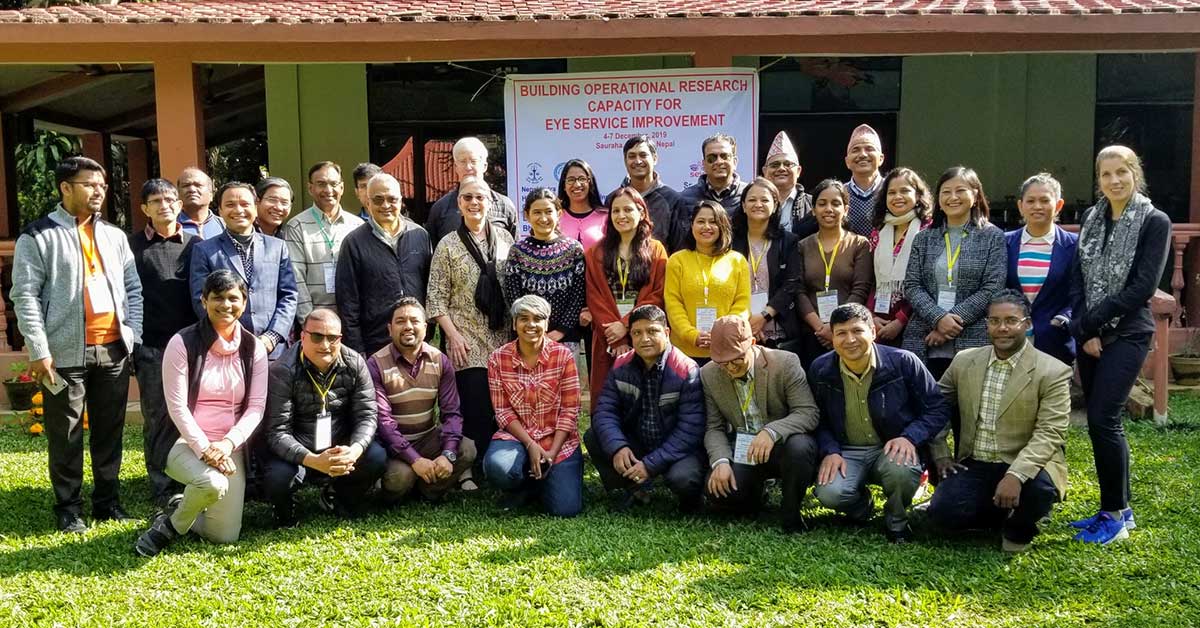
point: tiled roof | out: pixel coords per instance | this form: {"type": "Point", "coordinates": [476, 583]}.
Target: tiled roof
{"type": "Point", "coordinates": [351, 11]}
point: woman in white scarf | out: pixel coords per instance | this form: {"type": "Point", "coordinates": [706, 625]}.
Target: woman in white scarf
{"type": "Point", "coordinates": [901, 211]}
{"type": "Point", "coordinates": [1123, 245]}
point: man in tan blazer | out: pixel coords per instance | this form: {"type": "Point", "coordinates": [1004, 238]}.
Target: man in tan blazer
{"type": "Point", "coordinates": [761, 416]}
{"type": "Point", "coordinates": [1007, 468]}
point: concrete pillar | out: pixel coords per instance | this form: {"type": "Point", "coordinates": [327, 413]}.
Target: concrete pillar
{"type": "Point", "coordinates": [138, 168]}
{"type": "Point", "coordinates": [180, 108]}
{"type": "Point", "coordinates": [10, 214]}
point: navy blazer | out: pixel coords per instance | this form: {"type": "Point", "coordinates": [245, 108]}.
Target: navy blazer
{"type": "Point", "coordinates": [272, 304]}
{"type": "Point", "coordinates": [1055, 297]}
{"type": "Point", "coordinates": [904, 399]}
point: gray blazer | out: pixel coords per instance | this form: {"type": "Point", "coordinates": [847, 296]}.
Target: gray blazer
{"type": "Point", "coordinates": [979, 274]}
{"type": "Point", "coordinates": [47, 290]}
{"type": "Point", "coordinates": [781, 391]}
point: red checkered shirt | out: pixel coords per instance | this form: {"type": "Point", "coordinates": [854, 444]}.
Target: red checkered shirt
{"type": "Point", "coordinates": [544, 399]}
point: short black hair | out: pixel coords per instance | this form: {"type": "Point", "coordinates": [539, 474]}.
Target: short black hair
{"type": "Point", "coordinates": [157, 186]}
{"type": "Point", "coordinates": [267, 183]}
{"type": "Point", "coordinates": [641, 139]}
{"type": "Point", "coordinates": [321, 165]}
{"type": "Point", "coordinates": [235, 185]}
{"type": "Point", "coordinates": [364, 172]}
{"type": "Point", "coordinates": [408, 302]}
{"type": "Point", "coordinates": [651, 313]}
{"type": "Point", "coordinates": [850, 312]}
{"type": "Point", "coordinates": [224, 280]}
{"type": "Point", "coordinates": [1008, 295]}
{"type": "Point", "coordinates": [71, 166]}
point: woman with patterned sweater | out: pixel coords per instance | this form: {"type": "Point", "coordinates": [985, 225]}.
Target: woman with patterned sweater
{"type": "Point", "coordinates": [549, 265]}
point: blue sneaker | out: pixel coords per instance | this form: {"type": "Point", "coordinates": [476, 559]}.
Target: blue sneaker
{"type": "Point", "coordinates": [1087, 522]}
{"type": "Point", "coordinates": [1104, 531]}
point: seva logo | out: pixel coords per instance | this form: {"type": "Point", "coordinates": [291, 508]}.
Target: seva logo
{"type": "Point", "coordinates": [534, 175]}
{"type": "Point", "coordinates": [558, 170]}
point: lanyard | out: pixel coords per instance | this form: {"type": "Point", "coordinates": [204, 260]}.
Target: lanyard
{"type": "Point", "coordinates": [746, 402]}
{"type": "Point", "coordinates": [324, 392]}
{"type": "Point", "coordinates": [828, 262]}
{"type": "Point", "coordinates": [89, 250]}
{"type": "Point", "coordinates": [622, 275]}
{"type": "Point", "coordinates": [321, 225]}
{"type": "Point", "coordinates": [952, 259]}
{"type": "Point", "coordinates": [705, 276]}
{"type": "Point", "coordinates": [755, 262]}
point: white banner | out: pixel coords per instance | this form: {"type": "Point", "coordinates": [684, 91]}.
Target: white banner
{"type": "Point", "coordinates": [552, 118]}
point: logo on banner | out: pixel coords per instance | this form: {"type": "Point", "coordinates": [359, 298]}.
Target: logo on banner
{"type": "Point", "coordinates": [558, 170]}
{"type": "Point", "coordinates": [534, 175]}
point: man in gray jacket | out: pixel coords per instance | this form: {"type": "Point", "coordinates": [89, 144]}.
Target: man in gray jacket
{"type": "Point", "coordinates": [761, 416]}
{"type": "Point", "coordinates": [78, 302]}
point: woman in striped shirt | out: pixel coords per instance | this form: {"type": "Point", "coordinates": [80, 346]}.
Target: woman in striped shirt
{"type": "Point", "coordinates": [1039, 265]}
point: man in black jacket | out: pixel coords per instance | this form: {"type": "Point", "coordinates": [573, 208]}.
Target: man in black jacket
{"type": "Point", "coordinates": [321, 422]}
{"type": "Point", "coordinates": [381, 261]}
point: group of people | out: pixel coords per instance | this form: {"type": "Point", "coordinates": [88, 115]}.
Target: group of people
{"type": "Point", "coordinates": [873, 331]}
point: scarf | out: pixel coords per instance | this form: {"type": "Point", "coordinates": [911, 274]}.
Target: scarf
{"type": "Point", "coordinates": [1106, 262]}
{"type": "Point", "coordinates": [889, 269]}
{"type": "Point", "coordinates": [489, 295]}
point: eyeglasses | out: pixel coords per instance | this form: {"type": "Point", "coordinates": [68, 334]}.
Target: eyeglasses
{"type": "Point", "coordinates": [1011, 321]}
{"type": "Point", "coordinates": [90, 185]}
{"type": "Point", "coordinates": [578, 180]}
{"type": "Point", "coordinates": [713, 158]}
{"type": "Point", "coordinates": [321, 185]}
{"type": "Point", "coordinates": [776, 165]}
{"type": "Point", "coordinates": [276, 201]}
{"type": "Point", "coordinates": [734, 364]}
{"type": "Point", "coordinates": [471, 198]}
{"type": "Point", "coordinates": [388, 201]}
{"type": "Point", "coordinates": [321, 339]}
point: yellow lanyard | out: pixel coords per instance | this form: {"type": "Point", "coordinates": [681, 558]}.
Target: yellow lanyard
{"type": "Point", "coordinates": [747, 400]}
{"type": "Point", "coordinates": [622, 275]}
{"type": "Point", "coordinates": [705, 276]}
{"type": "Point", "coordinates": [952, 259]}
{"type": "Point", "coordinates": [828, 262]}
{"type": "Point", "coordinates": [755, 262]}
{"type": "Point", "coordinates": [324, 392]}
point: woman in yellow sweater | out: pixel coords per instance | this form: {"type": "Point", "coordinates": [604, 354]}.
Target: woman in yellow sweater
{"type": "Point", "coordinates": [706, 280]}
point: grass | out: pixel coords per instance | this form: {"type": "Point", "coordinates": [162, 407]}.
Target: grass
{"type": "Point", "coordinates": [466, 564]}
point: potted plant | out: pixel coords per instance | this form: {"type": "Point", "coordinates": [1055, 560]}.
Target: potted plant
{"type": "Point", "coordinates": [1185, 365]}
{"type": "Point", "coordinates": [20, 387]}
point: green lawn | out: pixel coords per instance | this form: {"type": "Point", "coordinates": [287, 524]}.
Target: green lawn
{"type": "Point", "coordinates": [465, 563]}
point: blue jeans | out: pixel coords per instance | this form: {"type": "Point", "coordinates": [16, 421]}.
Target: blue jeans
{"type": "Point", "coordinates": [849, 494]}
{"type": "Point", "coordinates": [506, 465]}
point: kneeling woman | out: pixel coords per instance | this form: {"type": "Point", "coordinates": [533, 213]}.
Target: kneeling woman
{"type": "Point", "coordinates": [215, 384]}
{"type": "Point", "coordinates": [535, 390]}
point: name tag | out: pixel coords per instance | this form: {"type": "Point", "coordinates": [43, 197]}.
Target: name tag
{"type": "Point", "coordinates": [705, 318]}
{"type": "Point", "coordinates": [741, 448]}
{"type": "Point", "coordinates": [946, 299]}
{"type": "Point", "coordinates": [323, 437]}
{"type": "Point", "coordinates": [99, 294]}
{"type": "Point", "coordinates": [883, 301]}
{"type": "Point", "coordinates": [330, 276]}
{"type": "Point", "coordinates": [625, 306]}
{"type": "Point", "coordinates": [827, 302]}
{"type": "Point", "coordinates": [758, 302]}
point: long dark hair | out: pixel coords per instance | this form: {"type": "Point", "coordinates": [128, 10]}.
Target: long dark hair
{"type": "Point", "coordinates": [741, 222]}
{"type": "Point", "coordinates": [725, 230]}
{"type": "Point", "coordinates": [923, 208]}
{"type": "Point", "coordinates": [639, 247]}
{"type": "Point", "coordinates": [979, 211]}
{"type": "Point", "coordinates": [593, 187]}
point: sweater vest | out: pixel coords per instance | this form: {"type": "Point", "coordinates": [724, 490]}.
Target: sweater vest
{"type": "Point", "coordinates": [412, 398]}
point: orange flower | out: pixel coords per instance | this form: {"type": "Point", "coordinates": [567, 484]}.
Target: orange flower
{"type": "Point", "coordinates": [37, 399]}
{"type": "Point", "coordinates": [37, 411]}
{"type": "Point", "coordinates": [36, 428]}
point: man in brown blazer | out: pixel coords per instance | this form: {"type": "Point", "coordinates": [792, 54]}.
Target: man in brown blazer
{"type": "Point", "coordinates": [761, 416]}
{"type": "Point", "coordinates": [1008, 467]}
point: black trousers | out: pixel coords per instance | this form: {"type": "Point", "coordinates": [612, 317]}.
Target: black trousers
{"type": "Point", "coordinates": [964, 501]}
{"type": "Point", "coordinates": [1106, 385]}
{"type": "Point", "coordinates": [103, 384]}
{"type": "Point", "coordinates": [793, 461]}
{"type": "Point", "coordinates": [475, 403]}
{"type": "Point", "coordinates": [684, 477]}
{"type": "Point", "coordinates": [158, 433]}
{"type": "Point", "coordinates": [282, 478]}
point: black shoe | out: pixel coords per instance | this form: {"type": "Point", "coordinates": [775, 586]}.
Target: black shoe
{"type": "Point", "coordinates": [71, 522]}
{"type": "Point", "coordinates": [330, 503]}
{"type": "Point", "coordinates": [625, 500]}
{"type": "Point", "coordinates": [510, 501]}
{"type": "Point", "coordinates": [157, 538]}
{"type": "Point", "coordinates": [111, 513]}
{"type": "Point", "coordinates": [900, 537]}
{"type": "Point", "coordinates": [285, 514]}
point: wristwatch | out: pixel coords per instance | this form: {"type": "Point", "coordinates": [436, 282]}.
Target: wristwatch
{"type": "Point", "coordinates": [766, 315]}
{"type": "Point", "coordinates": [451, 456]}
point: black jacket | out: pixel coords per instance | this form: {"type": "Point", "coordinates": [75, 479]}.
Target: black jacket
{"type": "Point", "coordinates": [293, 404]}
{"type": "Point", "coordinates": [371, 277]}
{"type": "Point", "coordinates": [784, 261]}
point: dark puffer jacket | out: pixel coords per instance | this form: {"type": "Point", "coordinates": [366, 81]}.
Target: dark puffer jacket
{"type": "Point", "coordinates": [293, 405]}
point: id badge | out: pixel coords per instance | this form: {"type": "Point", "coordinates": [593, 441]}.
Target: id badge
{"type": "Point", "coordinates": [323, 437]}
{"type": "Point", "coordinates": [827, 302]}
{"type": "Point", "coordinates": [883, 301]}
{"type": "Point", "coordinates": [758, 302]}
{"type": "Point", "coordinates": [98, 293]}
{"type": "Point", "coordinates": [705, 318]}
{"type": "Point", "coordinates": [625, 306]}
{"type": "Point", "coordinates": [330, 276]}
{"type": "Point", "coordinates": [741, 448]}
{"type": "Point", "coordinates": [946, 299]}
